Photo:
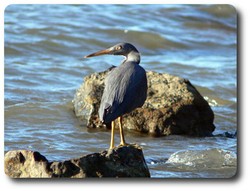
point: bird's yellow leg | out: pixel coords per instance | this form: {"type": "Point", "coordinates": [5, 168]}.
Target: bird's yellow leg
{"type": "Point", "coordinates": [121, 132]}
{"type": "Point", "coordinates": [112, 135]}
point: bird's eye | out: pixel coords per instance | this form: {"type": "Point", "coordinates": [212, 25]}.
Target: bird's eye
{"type": "Point", "coordinates": [118, 47]}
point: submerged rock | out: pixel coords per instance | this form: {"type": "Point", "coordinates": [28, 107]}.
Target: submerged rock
{"type": "Point", "coordinates": [173, 106]}
{"type": "Point", "coordinates": [126, 161]}
{"type": "Point", "coordinates": [227, 135]}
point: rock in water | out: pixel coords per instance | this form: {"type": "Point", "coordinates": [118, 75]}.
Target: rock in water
{"type": "Point", "coordinates": [173, 106]}
{"type": "Point", "coordinates": [125, 161]}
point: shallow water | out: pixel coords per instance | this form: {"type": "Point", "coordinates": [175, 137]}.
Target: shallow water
{"type": "Point", "coordinates": [44, 46]}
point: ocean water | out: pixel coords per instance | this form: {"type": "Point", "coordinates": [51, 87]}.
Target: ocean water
{"type": "Point", "coordinates": [44, 65]}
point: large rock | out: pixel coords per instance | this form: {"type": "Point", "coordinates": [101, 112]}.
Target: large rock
{"type": "Point", "coordinates": [126, 161]}
{"type": "Point", "coordinates": [173, 106]}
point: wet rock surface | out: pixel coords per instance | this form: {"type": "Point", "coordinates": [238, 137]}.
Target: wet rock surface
{"type": "Point", "coordinates": [125, 161]}
{"type": "Point", "coordinates": [173, 106]}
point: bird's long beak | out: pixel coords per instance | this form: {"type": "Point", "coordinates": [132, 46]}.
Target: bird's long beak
{"type": "Point", "coordinates": [106, 51]}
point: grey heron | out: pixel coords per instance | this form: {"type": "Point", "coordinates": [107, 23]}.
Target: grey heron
{"type": "Point", "coordinates": [125, 87]}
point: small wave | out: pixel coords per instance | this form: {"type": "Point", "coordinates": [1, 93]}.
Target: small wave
{"type": "Point", "coordinates": [9, 51]}
{"type": "Point", "coordinates": [203, 159]}
{"type": "Point", "coordinates": [211, 102]}
{"type": "Point", "coordinates": [208, 25]}
{"type": "Point", "coordinates": [224, 11]}
{"type": "Point", "coordinates": [148, 40]}
{"type": "Point", "coordinates": [213, 99]}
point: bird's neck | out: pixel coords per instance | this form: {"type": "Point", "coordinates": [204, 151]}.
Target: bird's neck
{"type": "Point", "coordinates": [133, 57]}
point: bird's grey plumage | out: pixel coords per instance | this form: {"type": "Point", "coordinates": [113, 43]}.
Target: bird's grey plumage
{"type": "Point", "coordinates": [125, 86]}
{"type": "Point", "coordinates": [125, 90]}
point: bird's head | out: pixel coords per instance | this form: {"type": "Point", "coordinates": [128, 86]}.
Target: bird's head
{"type": "Point", "coordinates": [118, 49]}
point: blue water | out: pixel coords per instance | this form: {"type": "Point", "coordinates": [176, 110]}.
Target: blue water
{"type": "Point", "coordinates": [44, 47]}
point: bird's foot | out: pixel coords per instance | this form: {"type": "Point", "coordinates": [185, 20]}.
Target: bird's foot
{"type": "Point", "coordinates": [122, 144]}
